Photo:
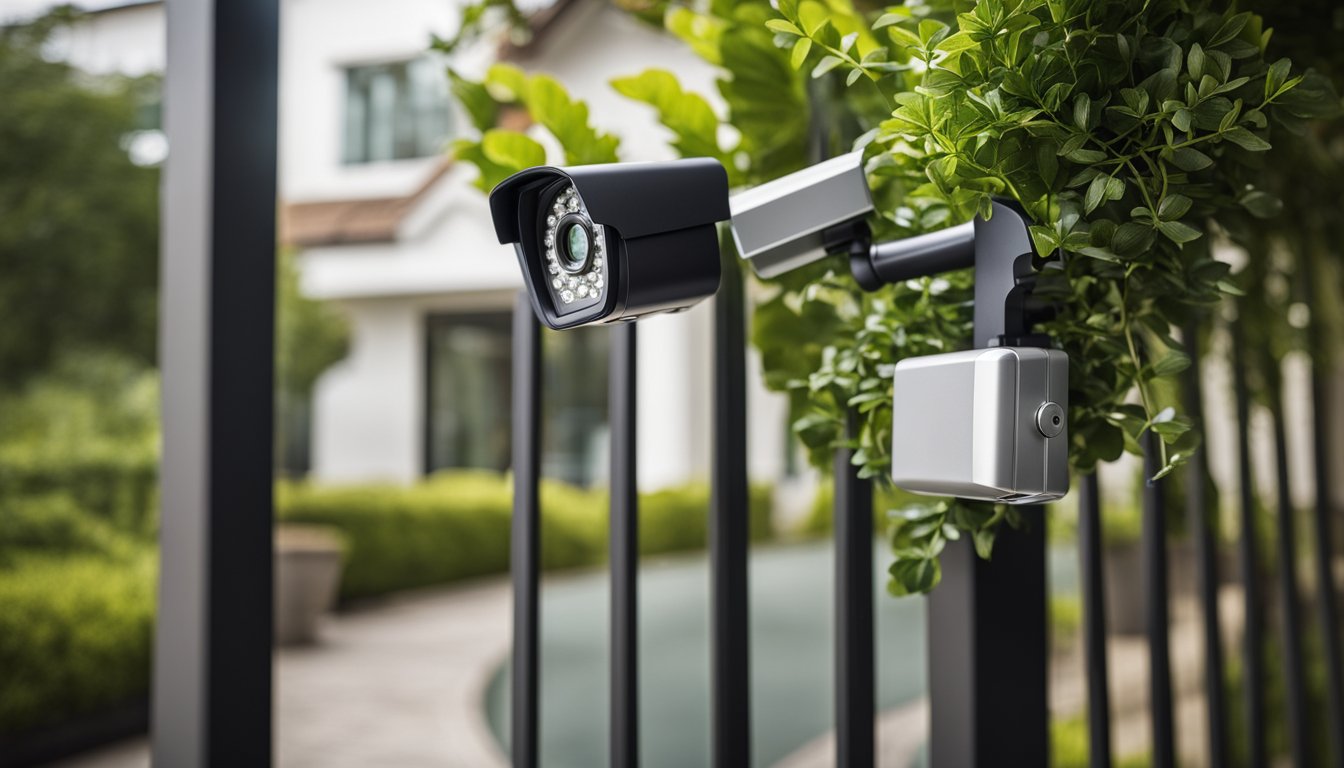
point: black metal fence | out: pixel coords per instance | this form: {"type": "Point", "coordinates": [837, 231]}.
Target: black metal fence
{"type": "Point", "coordinates": [987, 620]}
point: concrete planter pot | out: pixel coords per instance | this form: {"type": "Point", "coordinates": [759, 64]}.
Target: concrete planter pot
{"type": "Point", "coordinates": [308, 563]}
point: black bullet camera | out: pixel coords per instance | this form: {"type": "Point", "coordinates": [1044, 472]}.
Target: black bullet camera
{"type": "Point", "coordinates": [609, 243]}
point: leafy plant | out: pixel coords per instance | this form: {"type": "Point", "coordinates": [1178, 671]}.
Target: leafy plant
{"type": "Point", "coordinates": [1129, 130]}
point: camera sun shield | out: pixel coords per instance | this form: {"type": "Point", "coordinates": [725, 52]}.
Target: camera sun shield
{"type": "Point", "coordinates": [779, 226]}
{"type": "Point", "coordinates": [985, 424]}
{"type": "Point", "coordinates": [608, 243]}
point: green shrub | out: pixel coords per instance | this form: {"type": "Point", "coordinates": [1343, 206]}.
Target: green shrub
{"type": "Point", "coordinates": [75, 636]}
{"type": "Point", "coordinates": [455, 525]}
{"type": "Point", "coordinates": [54, 524]}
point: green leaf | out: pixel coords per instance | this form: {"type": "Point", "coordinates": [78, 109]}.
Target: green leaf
{"type": "Point", "coordinates": [688, 115]}
{"type": "Point", "coordinates": [826, 64]}
{"type": "Point", "coordinates": [1246, 140]}
{"type": "Point", "coordinates": [1086, 156]}
{"type": "Point", "coordinates": [1082, 111]}
{"type": "Point", "coordinates": [813, 16]}
{"type": "Point", "coordinates": [1188, 159]}
{"type": "Point", "coordinates": [512, 149]}
{"type": "Point", "coordinates": [1195, 62]}
{"type": "Point", "coordinates": [1173, 363]}
{"type": "Point", "coordinates": [800, 51]}
{"type": "Point", "coordinates": [1261, 205]}
{"type": "Point", "coordinates": [476, 100]}
{"type": "Point", "coordinates": [1096, 193]}
{"type": "Point", "coordinates": [783, 26]}
{"type": "Point", "coordinates": [1173, 207]}
{"type": "Point", "coordinates": [1178, 232]}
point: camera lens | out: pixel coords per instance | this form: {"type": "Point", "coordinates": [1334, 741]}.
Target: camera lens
{"type": "Point", "coordinates": [574, 243]}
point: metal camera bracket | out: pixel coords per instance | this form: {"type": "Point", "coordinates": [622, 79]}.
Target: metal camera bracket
{"type": "Point", "coordinates": [989, 423]}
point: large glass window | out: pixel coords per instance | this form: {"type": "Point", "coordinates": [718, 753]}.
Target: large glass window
{"type": "Point", "coordinates": [470, 397]}
{"type": "Point", "coordinates": [396, 111]}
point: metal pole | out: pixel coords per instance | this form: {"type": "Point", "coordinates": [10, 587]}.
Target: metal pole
{"type": "Point", "coordinates": [729, 530]}
{"type": "Point", "coordinates": [1253, 662]}
{"type": "Point", "coordinates": [624, 538]}
{"type": "Point", "coordinates": [987, 620]}
{"type": "Point", "coordinates": [1198, 514]}
{"type": "Point", "coordinates": [1094, 622]}
{"type": "Point", "coordinates": [1155, 603]}
{"type": "Point", "coordinates": [525, 549]}
{"type": "Point", "coordinates": [1289, 603]}
{"type": "Point", "coordinates": [212, 656]}
{"type": "Point", "coordinates": [855, 677]}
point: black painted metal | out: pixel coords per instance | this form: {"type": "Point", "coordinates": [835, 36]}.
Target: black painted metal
{"type": "Point", "coordinates": [525, 553]}
{"type": "Point", "coordinates": [1252, 662]}
{"type": "Point", "coordinates": [1092, 572]}
{"type": "Point", "coordinates": [987, 622]}
{"type": "Point", "coordinates": [1323, 533]}
{"type": "Point", "coordinates": [1155, 606]}
{"type": "Point", "coordinates": [1199, 512]}
{"type": "Point", "coordinates": [624, 553]}
{"type": "Point", "coordinates": [988, 653]}
{"type": "Point", "coordinates": [1290, 609]}
{"type": "Point", "coordinates": [212, 662]}
{"type": "Point", "coordinates": [729, 534]}
{"type": "Point", "coordinates": [855, 673]}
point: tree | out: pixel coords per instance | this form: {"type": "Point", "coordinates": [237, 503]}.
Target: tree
{"type": "Point", "coordinates": [78, 220]}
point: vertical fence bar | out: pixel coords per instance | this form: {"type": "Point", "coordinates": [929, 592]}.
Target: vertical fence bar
{"type": "Point", "coordinates": [1155, 605]}
{"type": "Point", "coordinates": [212, 697]}
{"type": "Point", "coordinates": [1290, 611]}
{"type": "Point", "coordinates": [855, 697]}
{"type": "Point", "coordinates": [1094, 622]}
{"type": "Point", "coordinates": [1253, 662]}
{"type": "Point", "coordinates": [1324, 543]}
{"type": "Point", "coordinates": [624, 538]}
{"type": "Point", "coordinates": [525, 549]}
{"type": "Point", "coordinates": [729, 531]}
{"type": "Point", "coordinates": [1198, 514]}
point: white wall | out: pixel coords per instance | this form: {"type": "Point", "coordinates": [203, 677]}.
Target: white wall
{"type": "Point", "coordinates": [128, 41]}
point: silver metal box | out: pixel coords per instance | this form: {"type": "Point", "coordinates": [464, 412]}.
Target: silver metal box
{"type": "Point", "coordinates": [987, 424]}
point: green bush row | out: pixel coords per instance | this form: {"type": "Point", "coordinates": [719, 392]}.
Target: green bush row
{"type": "Point", "coordinates": [75, 635]}
{"type": "Point", "coordinates": [456, 525]}
{"type": "Point", "coordinates": [121, 489]}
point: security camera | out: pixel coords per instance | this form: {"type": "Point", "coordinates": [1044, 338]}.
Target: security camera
{"type": "Point", "coordinates": [986, 424]}
{"type": "Point", "coordinates": [610, 243]}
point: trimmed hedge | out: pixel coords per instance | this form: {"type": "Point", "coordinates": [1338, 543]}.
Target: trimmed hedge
{"type": "Point", "coordinates": [75, 636]}
{"type": "Point", "coordinates": [455, 525]}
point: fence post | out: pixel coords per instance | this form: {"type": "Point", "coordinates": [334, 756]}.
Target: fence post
{"type": "Point", "coordinates": [855, 676]}
{"type": "Point", "coordinates": [987, 620]}
{"type": "Point", "coordinates": [1092, 575]}
{"type": "Point", "coordinates": [1155, 604]}
{"type": "Point", "coordinates": [729, 527]}
{"type": "Point", "coordinates": [213, 637]}
{"type": "Point", "coordinates": [525, 554]}
{"type": "Point", "coordinates": [624, 551]}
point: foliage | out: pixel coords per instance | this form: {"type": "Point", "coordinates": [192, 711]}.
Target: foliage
{"type": "Point", "coordinates": [53, 524]}
{"type": "Point", "coordinates": [79, 234]}
{"type": "Point", "coordinates": [456, 525]}
{"type": "Point", "coordinates": [88, 429]}
{"type": "Point", "coordinates": [75, 636]}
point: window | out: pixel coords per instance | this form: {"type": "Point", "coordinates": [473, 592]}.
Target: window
{"type": "Point", "coordinates": [396, 111]}
{"type": "Point", "coordinates": [469, 397]}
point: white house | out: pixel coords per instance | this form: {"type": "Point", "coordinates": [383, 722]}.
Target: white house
{"type": "Point", "coordinates": [391, 231]}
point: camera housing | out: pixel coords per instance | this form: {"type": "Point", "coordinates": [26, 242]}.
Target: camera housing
{"type": "Point", "coordinates": [986, 424]}
{"type": "Point", "coordinates": [787, 223]}
{"type": "Point", "coordinates": [609, 243]}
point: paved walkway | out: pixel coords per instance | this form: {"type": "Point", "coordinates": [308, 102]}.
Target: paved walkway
{"type": "Point", "coordinates": [396, 685]}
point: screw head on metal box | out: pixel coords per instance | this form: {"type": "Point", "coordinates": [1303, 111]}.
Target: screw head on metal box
{"type": "Point", "coordinates": [609, 243]}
